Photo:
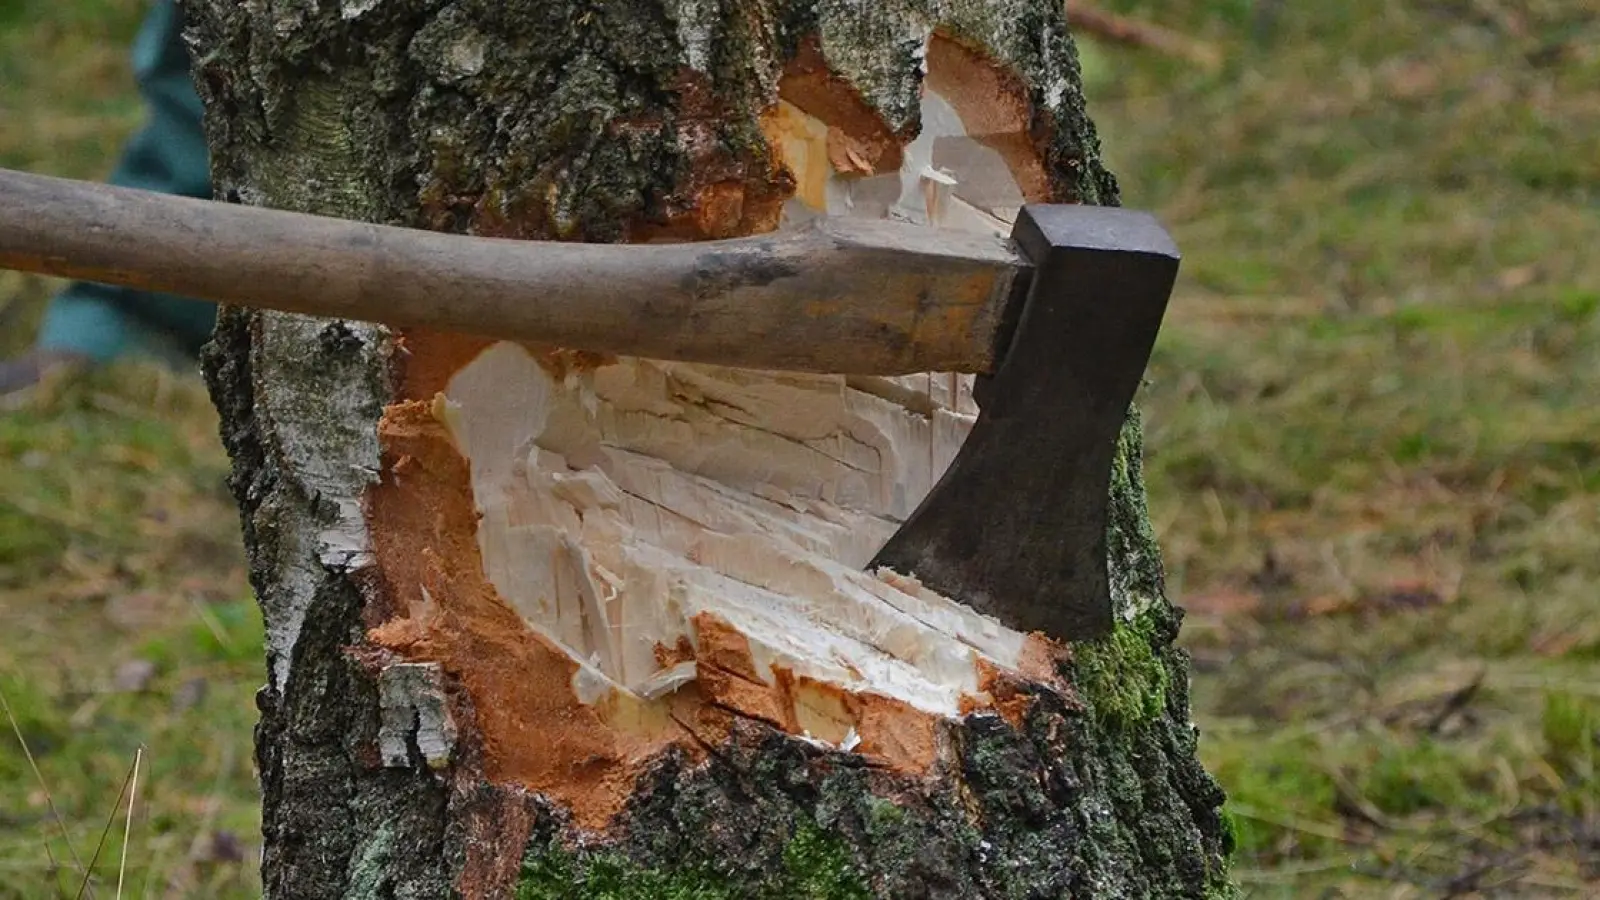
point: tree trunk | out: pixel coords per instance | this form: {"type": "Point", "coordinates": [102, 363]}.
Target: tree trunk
{"type": "Point", "coordinates": [545, 624]}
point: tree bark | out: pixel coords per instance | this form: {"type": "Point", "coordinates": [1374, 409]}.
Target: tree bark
{"type": "Point", "coordinates": [507, 656]}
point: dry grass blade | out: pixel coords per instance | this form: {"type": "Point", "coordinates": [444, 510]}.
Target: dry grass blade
{"type": "Point", "coordinates": [38, 776]}
{"type": "Point", "coordinates": [111, 820]}
{"type": "Point", "coordinates": [127, 833]}
{"type": "Point", "coordinates": [210, 621]}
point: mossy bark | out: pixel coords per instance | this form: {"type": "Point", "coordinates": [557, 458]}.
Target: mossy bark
{"type": "Point", "coordinates": [597, 121]}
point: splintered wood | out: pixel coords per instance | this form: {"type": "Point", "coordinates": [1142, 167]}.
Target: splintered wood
{"type": "Point", "coordinates": [692, 542]}
{"type": "Point", "coordinates": [620, 503]}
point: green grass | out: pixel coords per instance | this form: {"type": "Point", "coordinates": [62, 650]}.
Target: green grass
{"type": "Point", "coordinates": [1374, 462]}
{"type": "Point", "coordinates": [1374, 450]}
{"type": "Point", "coordinates": [129, 629]}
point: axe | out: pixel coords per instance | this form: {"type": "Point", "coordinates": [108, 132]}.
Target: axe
{"type": "Point", "coordinates": [1057, 322]}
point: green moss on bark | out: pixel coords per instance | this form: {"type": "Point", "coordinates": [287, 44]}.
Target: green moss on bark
{"type": "Point", "coordinates": [815, 866]}
{"type": "Point", "coordinates": [1122, 676]}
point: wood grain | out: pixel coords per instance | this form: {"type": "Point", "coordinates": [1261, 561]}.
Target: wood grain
{"type": "Point", "coordinates": [854, 297]}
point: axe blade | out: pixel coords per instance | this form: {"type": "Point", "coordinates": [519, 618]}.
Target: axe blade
{"type": "Point", "coordinates": [1016, 527]}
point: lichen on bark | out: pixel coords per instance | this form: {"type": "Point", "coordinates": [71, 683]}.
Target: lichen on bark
{"type": "Point", "coordinates": [618, 120]}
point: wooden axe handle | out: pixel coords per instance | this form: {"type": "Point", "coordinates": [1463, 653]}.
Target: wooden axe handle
{"type": "Point", "coordinates": [854, 297]}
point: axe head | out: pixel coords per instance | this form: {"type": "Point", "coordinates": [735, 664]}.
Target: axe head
{"type": "Point", "coordinates": [1016, 528]}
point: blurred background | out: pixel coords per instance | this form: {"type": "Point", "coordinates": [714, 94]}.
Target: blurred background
{"type": "Point", "coordinates": [1373, 455]}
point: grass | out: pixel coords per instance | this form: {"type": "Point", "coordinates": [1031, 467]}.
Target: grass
{"type": "Point", "coordinates": [1374, 462]}
{"type": "Point", "coordinates": [128, 625]}
{"type": "Point", "coordinates": [129, 630]}
{"type": "Point", "coordinates": [1374, 453]}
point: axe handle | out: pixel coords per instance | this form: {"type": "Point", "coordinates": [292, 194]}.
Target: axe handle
{"type": "Point", "coordinates": [844, 296]}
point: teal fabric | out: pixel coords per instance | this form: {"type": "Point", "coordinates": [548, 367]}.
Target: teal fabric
{"type": "Point", "coordinates": [167, 154]}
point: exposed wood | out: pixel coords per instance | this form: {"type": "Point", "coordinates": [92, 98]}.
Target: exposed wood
{"type": "Point", "coordinates": [846, 296]}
